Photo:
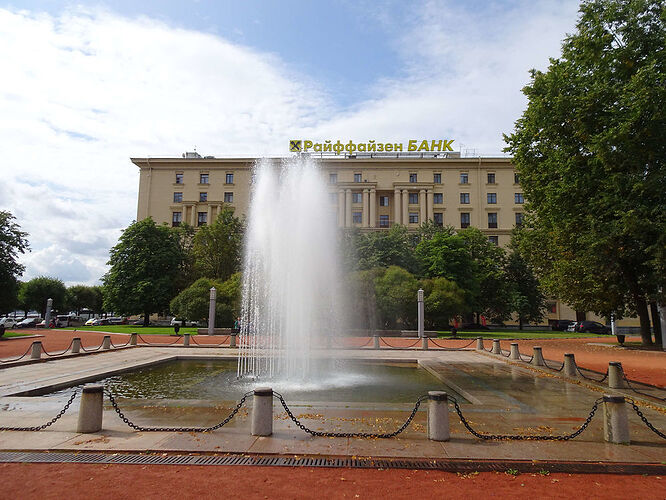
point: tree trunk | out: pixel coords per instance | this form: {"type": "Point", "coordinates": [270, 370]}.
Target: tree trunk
{"type": "Point", "coordinates": [641, 308]}
{"type": "Point", "coordinates": [146, 318]}
{"type": "Point", "coordinates": [520, 323]}
{"type": "Point", "coordinates": [656, 323]}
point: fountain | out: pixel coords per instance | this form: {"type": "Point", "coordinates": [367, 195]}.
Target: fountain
{"type": "Point", "coordinates": [291, 281]}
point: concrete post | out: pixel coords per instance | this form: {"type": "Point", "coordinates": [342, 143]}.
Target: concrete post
{"type": "Point", "coordinates": [515, 352]}
{"type": "Point", "coordinates": [36, 350]}
{"type": "Point", "coordinates": [211, 311]}
{"type": "Point", "coordinates": [438, 416]}
{"type": "Point", "coordinates": [424, 343]}
{"type": "Point", "coordinates": [375, 341]}
{"type": "Point", "coordinates": [186, 340]}
{"type": "Point", "coordinates": [616, 375]}
{"type": "Point", "coordinates": [497, 348]}
{"type": "Point", "coordinates": [133, 338]}
{"type": "Point", "coordinates": [47, 315]}
{"type": "Point", "coordinates": [419, 300]}
{"type": "Point", "coordinates": [570, 365]}
{"type": "Point", "coordinates": [479, 344]}
{"type": "Point", "coordinates": [537, 358]}
{"type": "Point", "coordinates": [91, 409]}
{"type": "Point", "coordinates": [76, 345]}
{"type": "Point", "coordinates": [106, 343]}
{"type": "Point", "coordinates": [616, 422]}
{"type": "Point", "coordinates": [232, 340]}
{"type": "Point", "coordinates": [262, 412]}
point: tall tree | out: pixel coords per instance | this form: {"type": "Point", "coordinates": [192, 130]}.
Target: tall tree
{"type": "Point", "coordinates": [145, 266]}
{"type": "Point", "coordinates": [218, 247]}
{"type": "Point", "coordinates": [526, 298]}
{"type": "Point", "coordinates": [193, 302]}
{"type": "Point", "coordinates": [443, 300]}
{"type": "Point", "coordinates": [13, 242]}
{"type": "Point", "coordinates": [591, 156]}
{"type": "Point", "coordinates": [396, 297]}
{"type": "Point", "coordinates": [394, 247]}
{"type": "Point", "coordinates": [34, 294]}
{"type": "Point", "coordinates": [80, 297]}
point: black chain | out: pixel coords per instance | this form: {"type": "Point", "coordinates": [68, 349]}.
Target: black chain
{"type": "Point", "coordinates": [176, 429]}
{"type": "Point", "coordinates": [50, 422]}
{"type": "Point", "coordinates": [529, 360]}
{"type": "Point", "coordinates": [526, 437]}
{"type": "Point", "coordinates": [92, 349]}
{"type": "Point", "coordinates": [54, 354]}
{"type": "Point", "coordinates": [349, 434]}
{"type": "Point", "coordinates": [644, 419]}
{"type": "Point", "coordinates": [640, 392]}
{"type": "Point", "coordinates": [121, 345]}
{"type": "Point", "coordinates": [159, 345]}
{"type": "Point", "coordinates": [192, 339]}
{"type": "Point", "coordinates": [399, 347]}
{"type": "Point", "coordinates": [590, 378]}
{"type": "Point", "coordinates": [551, 368]}
{"type": "Point", "coordinates": [452, 348]}
{"type": "Point", "coordinates": [11, 360]}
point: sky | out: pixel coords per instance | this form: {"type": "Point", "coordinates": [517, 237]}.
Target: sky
{"type": "Point", "coordinates": [87, 85]}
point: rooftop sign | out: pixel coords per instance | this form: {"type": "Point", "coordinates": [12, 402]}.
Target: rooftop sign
{"type": "Point", "coordinates": [328, 146]}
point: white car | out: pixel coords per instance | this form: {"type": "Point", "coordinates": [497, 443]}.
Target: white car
{"type": "Point", "coordinates": [178, 322]}
{"type": "Point", "coordinates": [8, 323]}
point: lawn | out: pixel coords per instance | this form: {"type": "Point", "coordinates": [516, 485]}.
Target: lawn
{"type": "Point", "coordinates": [521, 334]}
{"type": "Point", "coordinates": [15, 334]}
{"type": "Point", "coordinates": [141, 330]}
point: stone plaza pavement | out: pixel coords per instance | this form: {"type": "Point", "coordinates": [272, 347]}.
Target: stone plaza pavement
{"type": "Point", "coordinates": [500, 397]}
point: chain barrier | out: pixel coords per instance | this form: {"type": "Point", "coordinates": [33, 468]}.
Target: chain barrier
{"type": "Point", "coordinates": [526, 437]}
{"type": "Point", "coordinates": [644, 419]}
{"type": "Point", "coordinates": [140, 428]}
{"type": "Point", "coordinates": [193, 339]}
{"type": "Point", "coordinates": [551, 368]}
{"type": "Point", "coordinates": [349, 434]}
{"type": "Point", "coordinates": [590, 378]}
{"type": "Point", "coordinates": [507, 355]}
{"type": "Point", "coordinates": [363, 345]}
{"type": "Point", "coordinates": [11, 360]}
{"type": "Point", "coordinates": [91, 350]}
{"type": "Point", "coordinates": [122, 345]}
{"type": "Point", "coordinates": [158, 345]}
{"type": "Point", "coordinates": [529, 360]}
{"type": "Point", "coordinates": [54, 354]}
{"type": "Point", "coordinates": [451, 348]}
{"type": "Point", "coordinates": [399, 347]}
{"type": "Point", "coordinates": [640, 392]}
{"type": "Point", "coordinates": [47, 424]}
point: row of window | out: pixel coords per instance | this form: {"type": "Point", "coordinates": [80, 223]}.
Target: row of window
{"type": "Point", "coordinates": [437, 178]}
{"type": "Point", "coordinates": [438, 219]}
{"type": "Point", "coordinates": [177, 218]}
{"type": "Point", "coordinates": [205, 178]}
{"type": "Point", "coordinates": [438, 198]}
{"type": "Point", "coordinates": [178, 197]}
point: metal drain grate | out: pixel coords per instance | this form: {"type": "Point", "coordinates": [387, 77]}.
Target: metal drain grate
{"type": "Point", "coordinates": [449, 465]}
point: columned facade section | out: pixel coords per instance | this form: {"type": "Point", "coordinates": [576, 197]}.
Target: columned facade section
{"type": "Point", "coordinates": [405, 207]}
{"type": "Point", "coordinates": [397, 207]}
{"type": "Point", "coordinates": [373, 207]}
{"type": "Point", "coordinates": [348, 208]}
{"type": "Point", "coordinates": [366, 207]}
{"type": "Point", "coordinates": [422, 206]}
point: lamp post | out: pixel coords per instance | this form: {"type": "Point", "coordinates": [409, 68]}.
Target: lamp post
{"type": "Point", "coordinates": [419, 296]}
{"type": "Point", "coordinates": [211, 311]}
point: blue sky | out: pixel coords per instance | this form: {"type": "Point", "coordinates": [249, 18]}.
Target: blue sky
{"type": "Point", "coordinates": [87, 85]}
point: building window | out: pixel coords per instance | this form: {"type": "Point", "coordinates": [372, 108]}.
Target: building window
{"type": "Point", "coordinates": [177, 197]}
{"type": "Point", "coordinates": [176, 218]}
{"type": "Point", "coordinates": [552, 307]}
{"type": "Point", "coordinates": [464, 178]}
{"type": "Point", "coordinates": [438, 218]}
{"type": "Point", "coordinates": [357, 177]}
{"type": "Point", "coordinates": [464, 219]}
{"type": "Point", "coordinates": [464, 198]}
{"type": "Point", "coordinates": [413, 198]}
{"type": "Point", "coordinates": [518, 198]}
{"type": "Point", "coordinates": [203, 178]}
{"type": "Point", "coordinates": [413, 218]}
{"type": "Point", "coordinates": [357, 217]}
{"type": "Point", "coordinates": [492, 219]}
{"type": "Point", "coordinates": [203, 196]}
{"type": "Point", "coordinates": [437, 178]}
{"type": "Point", "coordinates": [383, 221]}
{"type": "Point", "coordinates": [494, 240]}
{"type": "Point", "coordinates": [438, 198]}
{"type": "Point", "coordinates": [491, 178]}
{"type": "Point", "coordinates": [228, 197]}
{"type": "Point", "coordinates": [229, 179]}
{"type": "Point", "coordinates": [357, 197]}
{"type": "Point", "coordinates": [516, 178]}
{"type": "Point", "coordinates": [332, 178]}
{"type": "Point", "coordinates": [412, 178]}
{"type": "Point", "coordinates": [519, 218]}
{"type": "Point", "coordinates": [179, 178]}
{"type": "Point", "coordinates": [202, 218]}
{"type": "Point", "coordinates": [383, 201]}
{"type": "Point", "coordinates": [492, 198]}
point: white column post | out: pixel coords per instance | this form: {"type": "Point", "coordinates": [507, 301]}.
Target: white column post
{"type": "Point", "coordinates": [36, 352]}
{"type": "Point", "coordinates": [397, 207]}
{"type": "Point", "coordinates": [537, 356]}
{"type": "Point", "coordinates": [430, 205]}
{"type": "Point", "coordinates": [47, 315]}
{"type": "Point", "coordinates": [186, 340]}
{"type": "Point", "coordinates": [348, 208]}
{"type": "Point", "coordinates": [420, 312]}
{"type": "Point", "coordinates": [570, 365]}
{"type": "Point", "coordinates": [405, 207]}
{"type": "Point", "coordinates": [373, 207]}
{"type": "Point", "coordinates": [91, 409]}
{"type": "Point", "coordinates": [366, 207]}
{"type": "Point", "coordinates": [616, 375]}
{"type": "Point", "coordinates": [423, 215]}
{"type": "Point", "coordinates": [76, 345]}
{"type": "Point", "coordinates": [438, 416]}
{"type": "Point", "coordinates": [497, 348]}
{"type": "Point", "coordinates": [515, 352]}
{"type": "Point", "coordinates": [106, 343]}
{"type": "Point", "coordinates": [616, 423]}
{"type": "Point", "coordinates": [262, 412]}
{"type": "Point", "coordinates": [211, 311]}
{"type": "Point", "coordinates": [479, 344]}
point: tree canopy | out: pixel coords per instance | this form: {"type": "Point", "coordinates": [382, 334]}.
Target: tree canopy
{"type": "Point", "coordinates": [217, 248]}
{"type": "Point", "coordinates": [13, 242]}
{"type": "Point", "coordinates": [33, 294]}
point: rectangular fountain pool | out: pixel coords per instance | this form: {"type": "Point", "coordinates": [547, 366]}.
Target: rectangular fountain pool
{"type": "Point", "coordinates": [354, 381]}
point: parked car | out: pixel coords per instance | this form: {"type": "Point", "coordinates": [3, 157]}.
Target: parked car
{"type": "Point", "coordinates": [182, 322]}
{"type": "Point", "coordinates": [117, 321]}
{"type": "Point", "coordinates": [90, 322]}
{"type": "Point", "coordinates": [561, 325]}
{"type": "Point", "coordinates": [592, 327]}
{"type": "Point", "coordinates": [8, 323]}
{"type": "Point", "coordinates": [572, 326]}
{"type": "Point", "coordinates": [28, 322]}
{"type": "Point", "coordinates": [100, 321]}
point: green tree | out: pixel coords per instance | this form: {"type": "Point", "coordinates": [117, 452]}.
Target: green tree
{"type": "Point", "coordinates": [527, 299]}
{"type": "Point", "coordinates": [396, 297]}
{"type": "Point", "coordinates": [80, 297]}
{"type": "Point", "coordinates": [34, 294]}
{"type": "Point", "coordinates": [443, 299]}
{"type": "Point", "coordinates": [145, 266]}
{"type": "Point", "coordinates": [394, 247]}
{"type": "Point", "coordinates": [362, 299]}
{"type": "Point", "coordinates": [218, 247]}
{"type": "Point", "coordinates": [193, 302]}
{"type": "Point", "coordinates": [590, 152]}
{"type": "Point", "coordinates": [187, 274]}
{"type": "Point", "coordinates": [13, 242]}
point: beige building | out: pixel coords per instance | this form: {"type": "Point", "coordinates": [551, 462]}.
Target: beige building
{"type": "Point", "coordinates": [371, 193]}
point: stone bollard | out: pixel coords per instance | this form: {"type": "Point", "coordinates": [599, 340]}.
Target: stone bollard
{"type": "Point", "coordinates": [616, 375]}
{"type": "Point", "coordinates": [438, 416]}
{"type": "Point", "coordinates": [91, 409]}
{"type": "Point", "coordinates": [616, 422]}
{"type": "Point", "coordinates": [375, 342]}
{"type": "Point", "coordinates": [106, 342]}
{"type": "Point", "coordinates": [76, 345]}
{"type": "Point", "coordinates": [186, 340]}
{"type": "Point", "coordinates": [262, 412]}
{"type": "Point", "coordinates": [570, 369]}
{"type": "Point", "coordinates": [537, 358]}
{"type": "Point", "coordinates": [36, 350]}
{"type": "Point", "coordinates": [497, 348]}
{"type": "Point", "coordinates": [479, 344]}
{"type": "Point", "coordinates": [232, 340]}
{"type": "Point", "coordinates": [424, 343]}
{"type": "Point", "coordinates": [133, 338]}
{"type": "Point", "coordinates": [515, 353]}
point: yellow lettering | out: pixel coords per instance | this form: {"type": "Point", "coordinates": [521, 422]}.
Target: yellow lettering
{"type": "Point", "coordinates": [317, 147]}
{"type": "Point", "coordinates": [397, 146]}
{"type": "Point", "coordinates": [434, 145]}
{"type": "Point", "coordinates": [307, 145]}
{"type": "Point", "coordinates": [372, 146]}
{"type": "Point", "coordinates": [447, 145]}
{"type": "Point", "coordinates": [412, 145]}
{"type": "Point", "coordinates": [327, 147]}
{"type": "Point", "coordinates": [423, 146]}
{"type": "Point", "coordinates": [388, 147]}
